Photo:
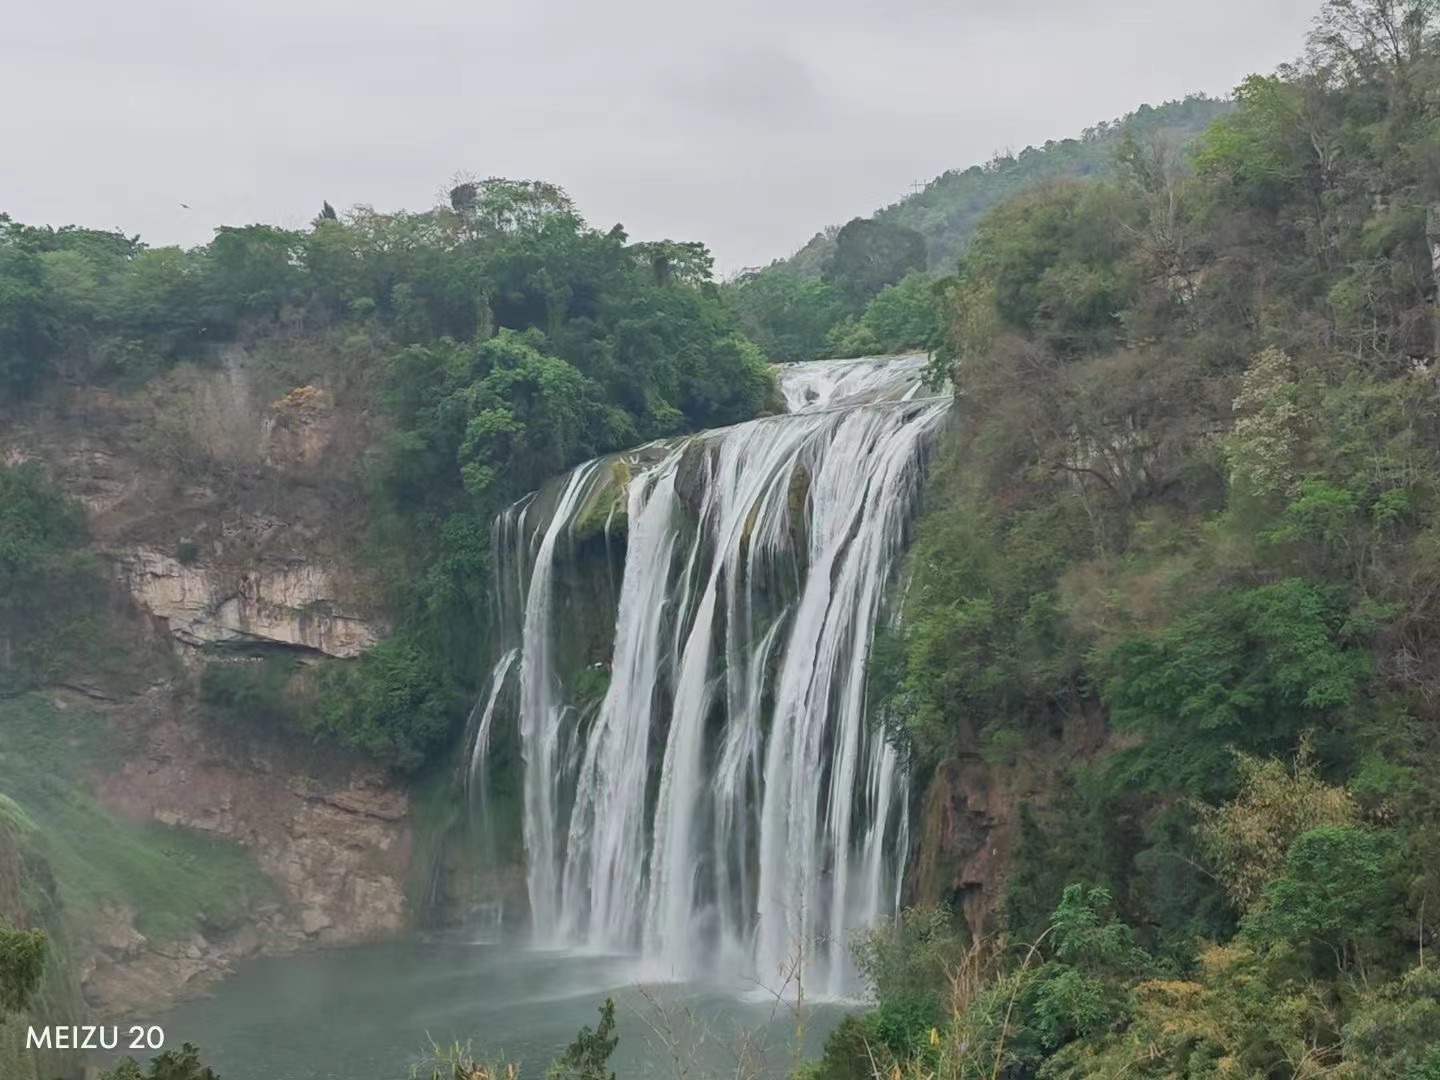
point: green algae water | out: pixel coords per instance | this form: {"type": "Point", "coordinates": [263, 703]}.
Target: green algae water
{"type": "Point", "coordinates": [372, 1013]}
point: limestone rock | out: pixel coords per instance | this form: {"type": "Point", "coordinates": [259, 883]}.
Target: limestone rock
{"type": "Point", "coordinates": [289, 604]}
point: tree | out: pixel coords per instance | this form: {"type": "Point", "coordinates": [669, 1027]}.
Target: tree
{"type": "Point", "coordinates": [905, 315]}
{"type": "Point", "coordinates": [1262, 151]}
{"type": "Point", "coordinates": [789, 317]}
{"type": "Point", "coordinates": [683, 262]}
{"type": "Point", "coordinates": [48, 585]}
{"type": "Point", "coordinates": [1248, 837]}
{"type": "Point", "coordinates": [392, 702]}
{"type": "Point", "coordinates": [1246, 667]}
{"type": "Point", "coordinates": [1269, 423]}
{"type": "Point", "coordinates": [251, 271]}
{"type": "Point", "coordinates": [530, 416]}
{"type": "Point", "coordinates": [1057, 259]}
{"type": "Point", "coordinates": [27, 330]}
{"type": "Point", "coordinates": [871, 254]}
{"type": "Point", "coordinates": [1371, 35]}
{"type": "Point", "coordinates": [1337, 895]}
{"type": "Point", "coordinates": [497, 206]}
{"type": "Point", "coordinates": [181, 1064]}
{"type": "Point", "coordinates": [586, 1057]}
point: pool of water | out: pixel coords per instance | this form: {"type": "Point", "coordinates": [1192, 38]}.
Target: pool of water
{"type": "Point", "coordinates": [372, 1013]}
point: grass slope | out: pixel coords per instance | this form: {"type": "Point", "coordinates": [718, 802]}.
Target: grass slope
{"type": "Point", "coordinates": [172, 877]}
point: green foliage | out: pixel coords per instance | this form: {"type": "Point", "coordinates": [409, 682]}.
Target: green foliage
{"type": "Point", "coordinates": [587, 1055]}
{"type": "Point", "coordinates": [22, 962]}
{"type": "Point", "coordinates": [35, 520]}
{"type": "Point", "coordinates": [1260, 152]}
{"type": "Point", "coordinates": [1208, 375]}
{"type": "Point", "coordinates": [901, 317]}
{"type": "Point", "coordinates": [172, 877]}
{"type": "Point", "coordinates": [1248, 837]}
{"type": "Point", "coordinates": [1057, 260]}
{"type": "Point", "coordinates": [250, 273]}
{"type": "Point", "coordinates": [853, 1050]}
{"type": "Point", "coordinates": [49, 587]}
{"type": "Point", "coordinates": [1247, 668]}
{"type": "Point", "coordinates": [908, 968]}
{"type": "Point", "coordinates": [394, 702]}
{"type": "Point", "coordinates": [529, 416]}
{"type": "Point", "coordinates": [789, 317]}
{"type": "Point", "coordinates": [984, 634]}
{"type": "Point", "coordinates": [1396, 1032]}
{"type": "Point", "coordinates": [912, 960]}
{"type": "Point", "coordinates": [672, 262]}
{"type": "Point", "coordinates": [870, 255]}
{"type": "Point", "coordinates": [27, 331]}
{"type": "Point", "coordinates": [904, 315]}
{"type": "Point", "coordinates": [1337, 893]}
{"type": "Point", "coordinates": [181, 1064]}
{"type": "Point", "coordinates": [249, 688]}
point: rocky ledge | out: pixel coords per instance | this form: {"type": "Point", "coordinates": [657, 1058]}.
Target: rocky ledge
{"type": "Point", "coordinates": [293, 604]}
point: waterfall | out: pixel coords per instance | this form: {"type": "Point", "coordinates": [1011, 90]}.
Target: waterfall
{"type": "Point", "coordinates": [724, 806]}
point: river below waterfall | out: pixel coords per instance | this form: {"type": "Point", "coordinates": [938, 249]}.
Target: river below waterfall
{"type": "Point", "coordinates": [370, 1013]}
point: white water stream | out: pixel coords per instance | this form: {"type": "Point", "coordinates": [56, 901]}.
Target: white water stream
{"type": "Point", "coordinates": [726, 808]}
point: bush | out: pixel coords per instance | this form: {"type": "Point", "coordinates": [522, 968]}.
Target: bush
{"type": "Point", "coordinates": [393, 702]}
{"type": "Point", "coordinates": [49, 586]}
{"type": "Point", "coordinates": [22, 961]}
{"type": "Point", "coordinates": [181, 1064]}
{"type": "Point", "coordinates": [248, 688]}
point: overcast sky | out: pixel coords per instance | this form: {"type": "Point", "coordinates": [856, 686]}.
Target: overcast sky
{"type": "Point", "coordinates": [748, 124]}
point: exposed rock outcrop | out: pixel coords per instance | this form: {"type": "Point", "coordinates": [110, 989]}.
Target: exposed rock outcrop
{"type": "Point", "coordinates": [969, 820]}
{"type": "Point", "coordinates": [128, 974]}
{"type": "Point", "coordinates": [335, 841]}
{"type": "Point", "coordinates": [294, 604]}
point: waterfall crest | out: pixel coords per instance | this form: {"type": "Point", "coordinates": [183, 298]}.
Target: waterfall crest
{"type": "Point", "coordinates": [723, 805]}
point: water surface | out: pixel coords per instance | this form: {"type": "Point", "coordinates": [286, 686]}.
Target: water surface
{"type": "Point", "coordinates": [371, 1013]}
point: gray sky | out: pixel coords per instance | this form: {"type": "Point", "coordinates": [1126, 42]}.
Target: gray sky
{"type": "Point", "coordinates": [748, 124]}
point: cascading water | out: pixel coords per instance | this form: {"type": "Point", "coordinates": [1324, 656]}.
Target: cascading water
{"type": "Point", "coordinates": [725, 806]}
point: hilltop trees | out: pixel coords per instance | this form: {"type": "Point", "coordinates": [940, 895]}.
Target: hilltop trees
{"type": "Point", "coordinates": [498, 339]}
{"type": "Point", "coordinates": [870, 255]}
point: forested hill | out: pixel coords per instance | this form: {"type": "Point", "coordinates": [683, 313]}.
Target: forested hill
{"type": "Point", "coordinates": [866, 287]}
{"type": "Point", "coordinates": [946, 211]}
{"type": "Point", "coordinates": [1169, 663]}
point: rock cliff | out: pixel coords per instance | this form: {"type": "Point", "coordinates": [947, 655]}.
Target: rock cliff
{"type": "Point", "coordinates": [295, 604]}
{"type": "Point", "coordinates": [334, 839]}
{"type": "Point", "coordinates": [226, 510]}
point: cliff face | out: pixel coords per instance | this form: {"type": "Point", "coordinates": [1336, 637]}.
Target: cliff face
{"type": "Point", "coordinates": [970, 811]}
{"type": "Point", "coordinates": [230, 519]}
{"type": "Point", "coordinates": [295, 604]}
{"type": "Point", "coordinates": [226, 516]}
{"type": "Point", "coordinates": [333, 839]}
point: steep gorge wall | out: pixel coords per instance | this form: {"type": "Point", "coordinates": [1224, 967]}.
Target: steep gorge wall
{"type": "Point", "coordinates": [332, 838]}
{"type": "Point", "coordinates": [225, 523]}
